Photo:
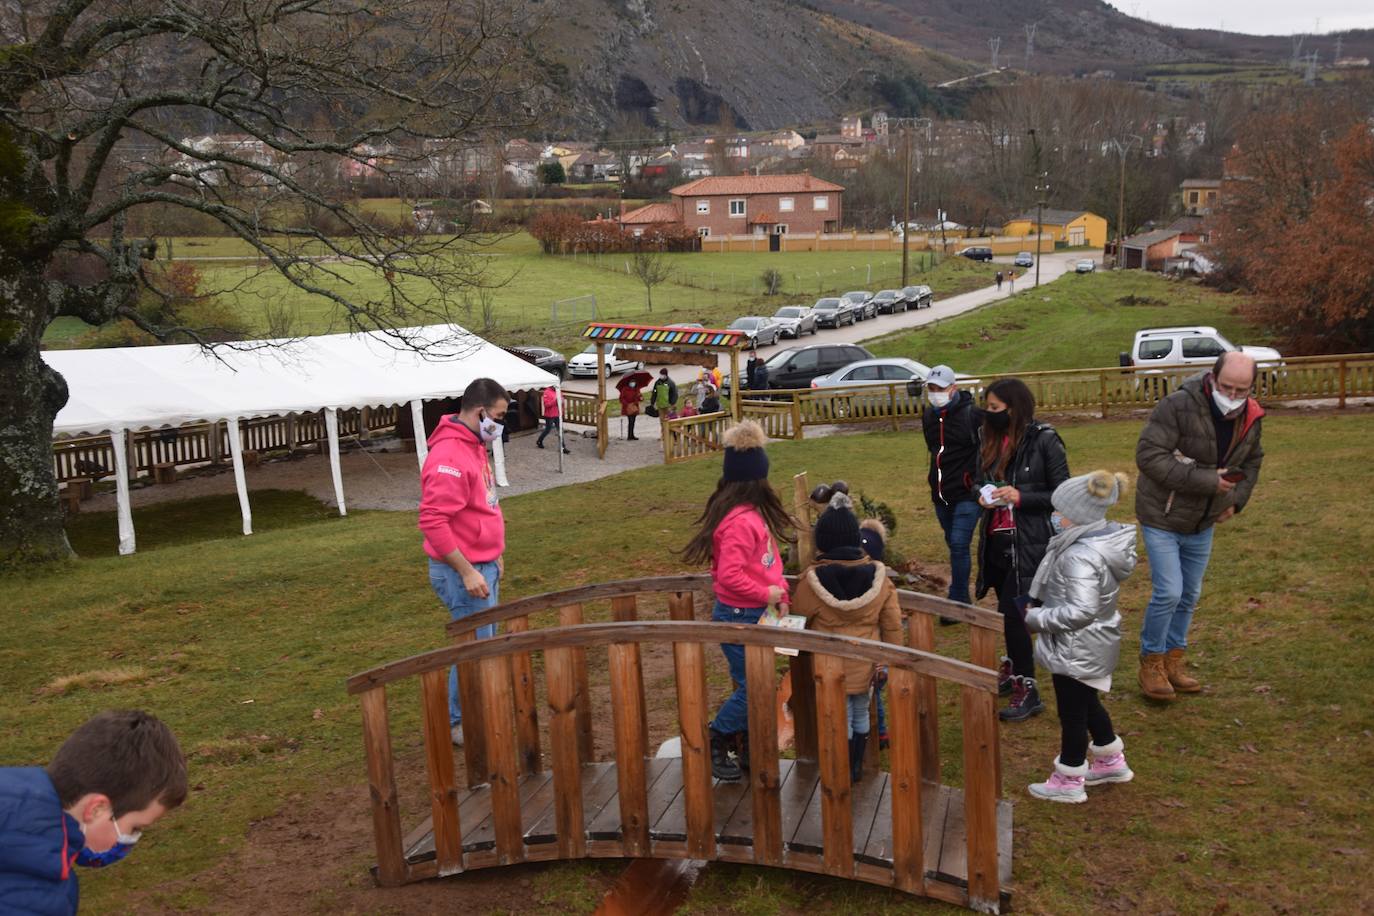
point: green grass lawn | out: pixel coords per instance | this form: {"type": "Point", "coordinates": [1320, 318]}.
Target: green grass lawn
{"type": "Point", "coordinates": [1079, 321]}
{"type": "Point", "coordinates": [1253, 797]}
{"type": "Point", "coordinates": [709, 288]}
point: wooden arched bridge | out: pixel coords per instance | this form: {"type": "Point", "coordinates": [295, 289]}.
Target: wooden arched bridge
{"type": "Point", "coordinates": [902, 828]}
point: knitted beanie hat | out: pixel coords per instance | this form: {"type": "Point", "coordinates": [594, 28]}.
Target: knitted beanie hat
{"type": "Point", "coordinates": [838, 526]}
{"type": "Point", "coordinates": [745, 458]}
{"type": "Point", "coordinates": [873, 533]}
{"type": "Point", "coordinates": [1085, 499]}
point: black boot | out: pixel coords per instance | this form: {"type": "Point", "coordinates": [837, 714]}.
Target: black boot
{"type": "Point", "coordinates": [722, 767]}
{"type": "Point", "coordinates": [1025, 701]}
{"type": "Point", "coordinates": [1005, 679]}
{"type": "Point", "coordinates": [858, 746]}
{"type": "Point", "coordinates": [742, 751]}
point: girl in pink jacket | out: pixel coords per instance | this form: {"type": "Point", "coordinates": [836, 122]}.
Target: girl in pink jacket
{"type": "Point", "coordinates": [741, 527]}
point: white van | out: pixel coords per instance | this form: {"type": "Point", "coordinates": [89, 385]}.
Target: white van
{"type": "Point", "coordinates": [1186, 346]}
{"type": "Point", "coordinates": [584, 363]}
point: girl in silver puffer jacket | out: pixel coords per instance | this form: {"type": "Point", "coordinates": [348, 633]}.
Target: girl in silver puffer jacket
{"type": "Point", "coordinates": [1075, 590]}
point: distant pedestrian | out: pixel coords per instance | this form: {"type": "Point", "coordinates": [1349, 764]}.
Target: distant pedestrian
{"type": "Point", "coordinates": [1011, 280]}
{"type": "Point", "coordinates": [663, 396]}
{"type": "Point", "coordinates": [999, 281]}
{"type": "Point", "coordinates": [630, 398]}
{"type": "Point", "coordinates": [552, 421]}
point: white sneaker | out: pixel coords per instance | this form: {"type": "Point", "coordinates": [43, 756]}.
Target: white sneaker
{"type": "Point", "coordinates": [456, 733]}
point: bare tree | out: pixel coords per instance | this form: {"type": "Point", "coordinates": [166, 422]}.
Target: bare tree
{"type": "Point", "coordinates": [101, 105]}
{"type": "Point", "coordinates": [652, 268]}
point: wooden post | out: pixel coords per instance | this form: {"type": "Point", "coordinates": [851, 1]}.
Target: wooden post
{"type": "Point", "coordinates": [682, 606]}
{"type": "Point", "coordinates": [837, 822]}
{"type": "Point", "coordinates": [892, 406]}
{"type": "Point", "coordinates": [798, 431]}
{"type": "Point", "coordinates": [291, 432]}
{"type": "Point", "coordinates": [698, 803]}
{"type": "Point", "coordinates": [922, 634]}
{"type": "Point", "coordinates": [1102, 383]}
{"type": "Point", "coordinates": [735, 383]}
{"type": "Point", "coordinates": [628, 710]}
{"type": "Point", "coordinates": [980, 797]}
{"type": "Point", "coordinates": [764, 783]}
{"type": "Point", "coordinates": [625, 609]}
{"type": "Point", "coordinates": [983, 652]}
{"type": "Point", "coordinates": [560, 666]}
{"type": "Point", "coordinates": [571, 616]}
{"type": "Point", "coordinates": [802, 704]}
{"type": "Point", "coordinates": [216, 443]}
{"type": "Point", "coordinates": [499, 716]}
{"type": "Point", "coordinates": [443, 792]}
{"type": "Point", "coordinates": [602, 433]}
{"type": "Point", "coordinates": [1341, 405]}
{"type": "Point", "coordinates": [381, 783]}
{"type": "Point", "coordinates": [806, 535]}
{"type": "Point", "coordinates": [908, 867]}
{"type": "Point", "coordinates": [474, 735]}
{"type": "Point", "coordinates": [526, 705]}
{"type": "Point", "coordinates": [667, 438]}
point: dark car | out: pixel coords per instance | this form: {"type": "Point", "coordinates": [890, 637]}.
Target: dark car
{"type": "Point", "coordinates": [544, 358]}
{"type": "Point", "coordinates": [976, 253]}
{"type": "Point", "coordinates": [832, 313]}
{"type": "Point", "coordinates": [795, 367]}
{"type": "Point", "coordinates": [861, 301]}
{"type": "Point", "coordinates": [918, 297]}
{"type": "Point", "coordinates": [889, 301]}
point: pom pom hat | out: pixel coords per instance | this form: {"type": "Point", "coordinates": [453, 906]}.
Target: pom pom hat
{"type": "Point", "coordinates": [838, 526]}
{"type": "Point", "coordinates": [745, 458]}
{"type": "Point", "coordinates": [1085, 499]}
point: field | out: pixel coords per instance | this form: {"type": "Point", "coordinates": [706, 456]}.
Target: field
{"type": "Point", "coordinates": [1253, 797]}
{"type": "Point", "coordinates": [1080, 321]}
{"type": "Point", "coordinates": [712, 289]}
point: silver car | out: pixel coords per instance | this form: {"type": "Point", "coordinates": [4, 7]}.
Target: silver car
{"type": "Point", "coordinates": [882, 371]}
{"type": "Point", "coordinates": [795, 320]}
{"type": "Point", "coordinates": [761, 331]}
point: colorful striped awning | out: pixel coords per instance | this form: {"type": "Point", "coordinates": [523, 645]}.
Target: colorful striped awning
{"type": "Point", "coordinates": [709, 338]}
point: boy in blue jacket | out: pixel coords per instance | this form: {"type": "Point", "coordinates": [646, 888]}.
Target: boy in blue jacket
{"type": "Point", "coordinates": [114, 776]}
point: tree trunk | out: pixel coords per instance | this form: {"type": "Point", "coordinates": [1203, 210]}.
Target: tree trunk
{"type": "Point", "coordinates": [31, 394]}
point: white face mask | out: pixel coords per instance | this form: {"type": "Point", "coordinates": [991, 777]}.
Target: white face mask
{"type": "Point", "coordinates": [488, 429]}
{"type": "Point", "coordinates": [1226, 405]}
{"type": "Point", "coordinates": [938, 399]}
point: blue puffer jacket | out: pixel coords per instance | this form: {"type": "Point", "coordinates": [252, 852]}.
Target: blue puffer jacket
{"type": "Point", "coordinates": [38, 843]}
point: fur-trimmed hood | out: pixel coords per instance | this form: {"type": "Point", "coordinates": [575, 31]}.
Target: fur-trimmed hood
{"type": "Point", "coordinates": [847, 584]}
{"type": "Point", "coordinates": [850, 598]}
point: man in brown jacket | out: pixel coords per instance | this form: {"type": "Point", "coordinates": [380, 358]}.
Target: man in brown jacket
{"type": "Point", "coordinates": [1199, 457]}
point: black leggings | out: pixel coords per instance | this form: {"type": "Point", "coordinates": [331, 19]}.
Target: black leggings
{"type": "Point", "coordinates": [1001, 574]}
{"type": "Point", "coordinates": [630, 421]}
{"type": "Point", "coordinates": [550, 425]}
{"type": "Point", "coordinates": [1080, 713]}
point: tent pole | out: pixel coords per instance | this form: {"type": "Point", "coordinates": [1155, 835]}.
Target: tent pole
{"type": "Point", "coordinates": [417, 420]}
{"type": "Point", "coordinates": [498, 461]}
{"type": "Point", "coordinates": [123, 511]}
{"type": "Point", "coordinates": [331, 429]}
{"type": "Point", "coordinates": [558, 389]}
{"type": "Point", "coordinates": [240, 484]}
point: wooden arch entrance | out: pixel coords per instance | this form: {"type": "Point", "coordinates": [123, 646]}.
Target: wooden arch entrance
{"type": "Point", "coordinates": [661, 346]}
{"type": "Point", "coordinates": [536, 790]}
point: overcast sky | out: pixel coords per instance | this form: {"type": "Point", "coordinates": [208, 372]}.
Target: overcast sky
{"type": "Point", "coordinates": [1257, 17]}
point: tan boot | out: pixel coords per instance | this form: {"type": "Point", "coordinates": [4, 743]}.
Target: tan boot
{"type": "Point", "coordinates": [1154, 681]}
{"type": "Point", "coordinates": [1178, 676]}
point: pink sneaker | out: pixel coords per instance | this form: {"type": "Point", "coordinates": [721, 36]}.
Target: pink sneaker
{"type": "Point", "coordinates": [1064, 785]}
{"type": "Point", "coordinates": [1108, 764]}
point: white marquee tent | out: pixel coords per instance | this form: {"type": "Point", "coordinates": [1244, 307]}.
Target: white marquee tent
{"type": "Point", "coordinates": [125, 389]}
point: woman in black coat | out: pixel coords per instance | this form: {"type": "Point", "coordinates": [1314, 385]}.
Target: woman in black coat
{"type": "Point", "coordinates": [1024, 460]}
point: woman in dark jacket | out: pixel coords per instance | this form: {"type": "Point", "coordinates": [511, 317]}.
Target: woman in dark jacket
{"type": "Point", "coordinates": [1024, 460]}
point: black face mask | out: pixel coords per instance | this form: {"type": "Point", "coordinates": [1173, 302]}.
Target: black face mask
{"type": "Point", "coordinates": [999, 421]}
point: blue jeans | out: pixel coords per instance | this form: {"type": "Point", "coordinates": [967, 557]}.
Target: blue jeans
{"type": "Point", "coordinates": [1177, 564]}
{"type": "Point", "coordinates": [448, 585]}
{"type": "Point", "coordinates": [959, 520]}
{"type": "Point", "coordinates": [858, 712]}
{"type": "Point", "coordinates": [733, 715]}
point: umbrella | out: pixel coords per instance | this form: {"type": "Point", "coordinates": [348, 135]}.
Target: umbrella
{"type": "Point", "coordinates": [634, 380]}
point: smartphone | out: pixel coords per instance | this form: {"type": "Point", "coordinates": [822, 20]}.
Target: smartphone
{"type": "Point", "coordinates": [1233, 476]}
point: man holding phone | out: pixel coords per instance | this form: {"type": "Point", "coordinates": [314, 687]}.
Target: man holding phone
{"type": "Point", "coordinates": [1199, 457]}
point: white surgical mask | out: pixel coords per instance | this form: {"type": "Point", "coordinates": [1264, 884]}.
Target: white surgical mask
{"type": "Point", "coordinates": [1226, 405]}
{"type": "Point", "coordinates": [489, 430]}
{"type": "Point", "coordinates": [937, 399]}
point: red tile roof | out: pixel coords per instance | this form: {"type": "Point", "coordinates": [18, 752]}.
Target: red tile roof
{"type": "Point", "coordinates": [754, 184]}
{"type": "Point", "coordinates": [652, 213]}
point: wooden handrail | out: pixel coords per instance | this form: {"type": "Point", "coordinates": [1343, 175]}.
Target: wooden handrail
{"type": "Point", "coordinates": [593, 634]}
{"type": "Point", "coordinates": [694, 582]}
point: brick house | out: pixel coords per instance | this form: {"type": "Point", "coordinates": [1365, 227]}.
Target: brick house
{"type": "Point", "coordinates": [1200, 196]}
{"type": "Point", "coordinates": [759, 204]}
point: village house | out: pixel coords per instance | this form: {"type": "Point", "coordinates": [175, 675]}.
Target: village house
{"type": "Point", "coordinates": [1072, 227]}
{"type": "Point", "coordinates": [1200, 195]}
{"type": "Point", "coordinates": [747, 204]}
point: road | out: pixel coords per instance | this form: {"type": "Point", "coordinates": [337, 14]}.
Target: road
{"type": "Point", "coordinates": [1052, 267]}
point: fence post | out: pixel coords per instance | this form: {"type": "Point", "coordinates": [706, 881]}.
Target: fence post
{"type": "Point", "coordinates": [1102, 379]}
{"type": "Point", "coordinates": [1341, 405]}
{"type": "Point", "coordinates": [892, 407]}
{"type": "Point", "coordinates": [797, 431]}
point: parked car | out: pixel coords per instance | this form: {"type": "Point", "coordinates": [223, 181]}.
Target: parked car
{"type": "Point", "coordinates": [546, 359]}
{"type": "Point", "coordinates": [1085, 266]}
{"type": "Point", "coordinates": [795, 320]}
{"type": "Point", "coordinates": [1184, 346]}
{"type": "Point", "coordinates": [584, 363]}
{"type": "Point", "coordinates": [976, 253]}
{"type": "Point", "coordinates": [1023, 259]}
{"type": "Point", "coordinates": [861, 301]}
{"type": "Point", "coordinates": [762, 332]}
{"type": "Point", "coordinates": [795, 367]}
{"type": "Point", "coordinates": [918, 297]}
{"type": "Point", "coordinates": [873, 372]}
{"type": "Point", "coordinates": [889, 302]}
{"type": "Point", "coordinates": [832, 313]}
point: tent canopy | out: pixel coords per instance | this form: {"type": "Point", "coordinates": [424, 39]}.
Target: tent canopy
{"type": "Point", "coordinates": [151, 387]}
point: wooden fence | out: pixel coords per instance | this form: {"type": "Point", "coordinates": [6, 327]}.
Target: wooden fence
{"type": "Point", "coordinates": [902, 828]}
{"type": "Point", "coordinates": [92, 457]}
{"type": "Point", "coordinates": [786, 413]}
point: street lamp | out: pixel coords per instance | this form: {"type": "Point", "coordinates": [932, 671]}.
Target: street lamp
{"type": "Point", "coordinates": [1042, 189]}
{"type": "Point", "coordinates": [1123, 148]}
{"type": "Point", "coordinates": [907, 124]}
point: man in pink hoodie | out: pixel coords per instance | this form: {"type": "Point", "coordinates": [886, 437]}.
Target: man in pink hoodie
{"type": "Point", "coordinates": [460, 516]}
